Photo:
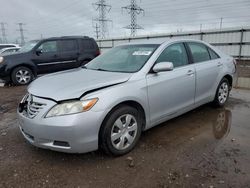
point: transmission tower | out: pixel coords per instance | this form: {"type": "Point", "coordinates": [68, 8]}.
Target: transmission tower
{"type": "Point", "coordinates": [3, 30]}
{"type": "Point", "coordinates": [103, 9]}
{"type": "Point", "coordinates": [97, 31]}
{"type": "Point", "coordinates": [21, 30]}
{"type": "Point", "coordinates": [133, 9]}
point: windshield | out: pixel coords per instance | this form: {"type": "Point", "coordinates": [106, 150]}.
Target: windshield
{"type": "Point", "coordinates": [28, 46]}
{"type": "Point", "coordinates": [127, 58]}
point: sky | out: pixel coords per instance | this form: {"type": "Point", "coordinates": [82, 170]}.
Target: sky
{"type": "Point", "coordinates": [47, 18]}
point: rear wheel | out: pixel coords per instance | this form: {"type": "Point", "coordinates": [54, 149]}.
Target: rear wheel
{"type": "Point", "coordinates": [21, 76]}
{"type": "Point", "coordinates": [121, 131]}
{"type": "Point", "coordinates": [222, 93]}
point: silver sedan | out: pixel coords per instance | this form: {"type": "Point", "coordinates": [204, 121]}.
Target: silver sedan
{"type": "Point", "coordinates": [108, 103]}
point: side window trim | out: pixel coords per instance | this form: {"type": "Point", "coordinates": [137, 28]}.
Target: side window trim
{"type": "Point", "coordinates": [189, 54]}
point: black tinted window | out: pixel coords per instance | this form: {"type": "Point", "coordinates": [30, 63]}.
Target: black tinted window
{"type": "Point", "coordinates": [213, 55]}
{"type": "Point", "coordinates": [48, 46]}
{"type": "Point", "coordinates": [199, 52]}
{"type": "Point", "coordinates": [87, 44]}
{"type": "Point", "coordinates": [69, 45]}
{"type": "Point", "coordinates": [176, 53]}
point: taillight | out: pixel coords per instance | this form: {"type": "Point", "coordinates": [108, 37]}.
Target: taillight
{"type": "Point", "coordinates": [235, 62]}
{"type": "Point", "coordinates": [98, 52]}
{"type": "Point", "coordinates": [235, 65]}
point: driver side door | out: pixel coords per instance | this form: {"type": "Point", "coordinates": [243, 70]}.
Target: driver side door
{"type": "Point", "coordinates": [171, 91]}
{"type": "Point", "coordinates": [46, 57]}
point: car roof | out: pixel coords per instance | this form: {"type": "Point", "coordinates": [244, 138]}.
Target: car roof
{"type": "Point", "coordinates": [16, 45]}
{"type": "Point", "coordinates": [68, 37]}
{"type": "Point", "coordinates": [10, 48]}
{"type": "Point", "coordinates": [162, 42]}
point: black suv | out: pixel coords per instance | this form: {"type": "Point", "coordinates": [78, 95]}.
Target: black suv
{"type": "Point", "coordinates": [46, 56]}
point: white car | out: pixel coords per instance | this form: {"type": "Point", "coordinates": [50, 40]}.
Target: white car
{"type": "Point", "coordinates": [8, 46]}
{"type": "Point", "coordinates": [9, 50]}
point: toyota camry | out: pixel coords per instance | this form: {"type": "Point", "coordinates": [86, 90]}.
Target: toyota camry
{"type": "Point", "coordinates": [108, 103]}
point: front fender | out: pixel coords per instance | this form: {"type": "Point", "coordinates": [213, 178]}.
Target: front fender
{"type": "Point", "coordinates": [129, 91]}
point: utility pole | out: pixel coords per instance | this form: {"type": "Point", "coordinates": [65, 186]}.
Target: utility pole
{"type": "Point", "coordinates": [21, 30]}
{"type": "Point", "coordinates": [3, 30]}
{"type": "Point", "coordinates": [221, 19]}
{"type": "Point", "coordinates": [133, 9]}
{"type": "Point", "coordinates": [103, 9]}
{"type": "Point", "coordinates": [97, 31]}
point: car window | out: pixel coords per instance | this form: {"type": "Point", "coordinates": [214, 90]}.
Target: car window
{"type": "Point", "coordinates": [48, 46]}
{"type": "Point", "coordinates": [175, 53]}
{"type": "Point", "coordinates": [213, 55]}
{"type": "Point", "coordinates": [199, 52]}
{"type": "Point", "coordinates": [69, 45]}
{"type": "Point", "coordinates": [87, 44]}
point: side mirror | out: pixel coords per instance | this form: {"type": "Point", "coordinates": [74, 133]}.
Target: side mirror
{"type": "Point", "coordinates": [163, 66]}
{"type": "Point", "coordinates": [38, 52]}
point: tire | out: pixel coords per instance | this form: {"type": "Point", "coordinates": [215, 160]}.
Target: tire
{"type": "Point", "coordinates": [222, 93]}
{"type": "Point", "coordinates": [22, 76]}
{"type": "Point", "coordinates": [124, 138]}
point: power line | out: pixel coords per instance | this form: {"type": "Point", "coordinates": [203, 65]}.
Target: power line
{"type": "Point", "coordinates": [133, 9]}
{"type": "Point", "coordinates": [3, 30]}
{"type": "Point", "coordinates": [103, 9]}
{"type": "Point", "coordinates": [21, 30]}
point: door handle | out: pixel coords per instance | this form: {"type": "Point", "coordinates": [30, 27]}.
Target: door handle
{"type": "Point", "coordinates": [219, 64]}
{"type": "Point", "coordinates": [190, 72]}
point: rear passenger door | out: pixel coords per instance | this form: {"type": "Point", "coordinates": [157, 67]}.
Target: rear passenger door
{"type": "Point", "coordinates": [208, 67]}
{"type": "Point", "coordinates": [69, 52]}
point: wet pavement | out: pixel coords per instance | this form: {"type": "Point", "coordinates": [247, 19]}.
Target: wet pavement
{"type": "Point", "coordinates": [206, 147]}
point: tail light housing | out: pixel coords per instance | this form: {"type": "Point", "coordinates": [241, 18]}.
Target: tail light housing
{"type": "Point", "coordinates": [98, 52]}
{"type": "Point", "coordinates": [235, 62]}
{"type": "Point", "coordinates": [235, 65]}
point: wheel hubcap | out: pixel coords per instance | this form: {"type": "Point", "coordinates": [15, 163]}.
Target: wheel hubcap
{"type": "Point", "coordinates": [124, 131]}
{"type": "Point", "coordinates": [23, 76]}
{"type": "Point", "coordinates": [220, 121]}
{"type": "Point", "coordinates": [223, 92]}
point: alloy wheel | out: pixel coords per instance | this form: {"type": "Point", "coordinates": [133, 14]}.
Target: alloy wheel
{"type": "Point", "coordinates": [23, 76]}
{"type": "Point", "coordinates": [223, 92]}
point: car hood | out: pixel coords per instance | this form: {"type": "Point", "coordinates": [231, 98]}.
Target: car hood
{"type": "Point", "coordinates": [15, 55]}
{"type": "Point", "coordinates": [74, 83]}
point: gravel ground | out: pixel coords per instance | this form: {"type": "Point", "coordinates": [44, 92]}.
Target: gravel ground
{"type": "Point", "coordinates": [206, 147]}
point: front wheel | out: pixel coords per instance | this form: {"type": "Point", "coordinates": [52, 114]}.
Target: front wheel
{"type": "Point", "coordinates": [21, 76]}
{"type": "Point", "coordinates": [222, 93]}
{"type": "Point", "coordinates": [121, 131]}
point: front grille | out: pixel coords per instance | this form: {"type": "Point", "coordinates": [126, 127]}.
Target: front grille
{"type": "Point", "coordinates": [32, 107]}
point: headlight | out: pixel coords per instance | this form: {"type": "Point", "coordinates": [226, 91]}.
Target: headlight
{"type": "Point", "coordinates": [1, 59]}
{"type": "Point", "coordinates": [71, 107]}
